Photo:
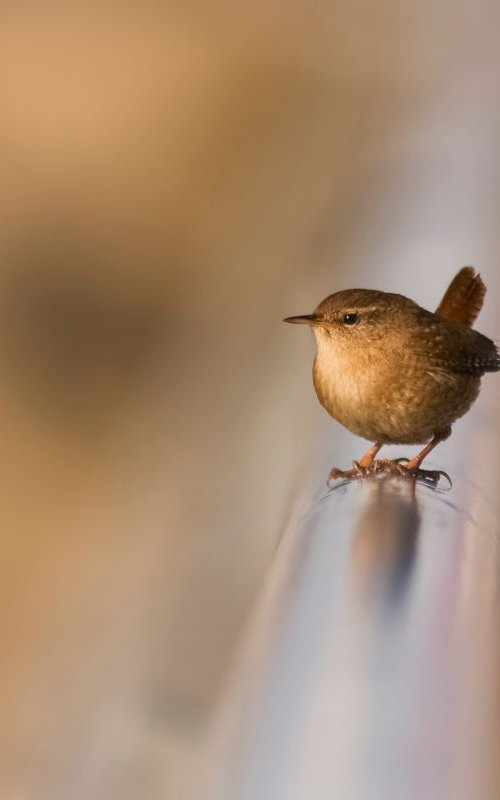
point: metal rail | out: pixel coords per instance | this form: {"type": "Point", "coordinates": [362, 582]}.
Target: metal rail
{"type": "Point", "coordinates": [370, 667]}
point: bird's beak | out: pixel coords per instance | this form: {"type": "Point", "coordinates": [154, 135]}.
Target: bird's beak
{"type": "Point", "coordinates": [306, 319]}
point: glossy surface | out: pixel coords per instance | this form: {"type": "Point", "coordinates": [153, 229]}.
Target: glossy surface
{"type": "Point", "coordinates": [371, 667]}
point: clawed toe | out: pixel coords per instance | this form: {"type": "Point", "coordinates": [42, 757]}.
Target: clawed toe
{"type": "Point", "coordinates": [430, 476]}
{"type": "Point", "coordinates": [355, 472]}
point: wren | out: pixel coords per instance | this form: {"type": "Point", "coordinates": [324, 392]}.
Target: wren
{"type": "Point", "coordinates": [394, 373]}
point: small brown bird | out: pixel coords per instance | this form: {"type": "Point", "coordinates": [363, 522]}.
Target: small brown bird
{"type": "Point", "coordinates": [394, 373]}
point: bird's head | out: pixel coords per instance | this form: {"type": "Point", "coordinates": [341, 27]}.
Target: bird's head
{"type": "Point", "coordinates": [358, 317]}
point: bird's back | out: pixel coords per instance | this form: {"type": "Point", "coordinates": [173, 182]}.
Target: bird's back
{"type": "Point", "coordinates": [453, 347]}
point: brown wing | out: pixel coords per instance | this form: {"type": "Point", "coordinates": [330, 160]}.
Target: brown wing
{"type": "Point", "coordinates": [463, 300]}
{"type": "Point", "coordinates": [448, 346]}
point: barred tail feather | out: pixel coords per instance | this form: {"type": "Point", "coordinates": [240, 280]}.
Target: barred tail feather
{"type": "Point", "coordinates": [463, 300]}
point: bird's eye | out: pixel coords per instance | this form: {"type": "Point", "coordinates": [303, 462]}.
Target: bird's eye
{"type": "Point", "coordinates": [350, 319]}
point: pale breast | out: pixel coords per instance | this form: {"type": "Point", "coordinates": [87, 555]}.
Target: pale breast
{"type": "Point", "coordinates": [348, 391]}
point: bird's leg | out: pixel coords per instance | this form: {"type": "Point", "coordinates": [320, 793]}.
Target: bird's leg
{"type": "Point", "coordinates": [412, 468]}
{"type": "Point", "coordinates": [362, 467]}
{"type": "Point", "coordinates": [369, 457]}
{"type": "Point", "coordinates": [415, 462]}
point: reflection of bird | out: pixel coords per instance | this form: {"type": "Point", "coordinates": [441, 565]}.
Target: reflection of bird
{"type": "Point", "coordinates": [385, 542]}
{"type": "Point", "coordinates": [394, 373]}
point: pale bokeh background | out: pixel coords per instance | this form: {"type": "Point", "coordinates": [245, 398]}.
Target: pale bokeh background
{"type": "Point", "coordinates": [175, 180]}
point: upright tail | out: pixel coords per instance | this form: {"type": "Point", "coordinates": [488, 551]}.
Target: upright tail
{"type": "Point", "coordinates": [464, 297]}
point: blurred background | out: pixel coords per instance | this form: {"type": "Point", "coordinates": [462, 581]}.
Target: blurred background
{"type": "Point", "coordinates": [177, 178]}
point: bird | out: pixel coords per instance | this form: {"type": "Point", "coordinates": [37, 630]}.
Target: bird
{"type": "Point", "coordinates": [392, 372]}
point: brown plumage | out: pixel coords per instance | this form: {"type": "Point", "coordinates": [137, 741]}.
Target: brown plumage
{"type": "Point", "coordinates": [394, 373]}
{"type": "Point", "coordinates": [464, 297]}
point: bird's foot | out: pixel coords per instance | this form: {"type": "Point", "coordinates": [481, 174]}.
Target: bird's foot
{"type": "Point", "coordinates": [429, 476]}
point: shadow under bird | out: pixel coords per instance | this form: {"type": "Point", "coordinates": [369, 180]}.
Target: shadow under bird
{"type": "Point", "coordinates": [394, 373]}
